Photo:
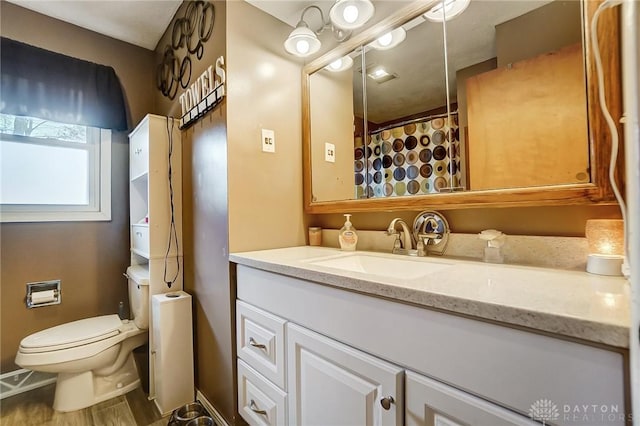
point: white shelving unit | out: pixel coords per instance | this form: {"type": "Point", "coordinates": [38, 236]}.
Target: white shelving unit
{"type": "Point", "coordinates": [153, 145]}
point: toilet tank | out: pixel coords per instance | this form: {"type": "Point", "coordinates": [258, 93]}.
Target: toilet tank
{"type": "Point", "coordinates": [139, 294]}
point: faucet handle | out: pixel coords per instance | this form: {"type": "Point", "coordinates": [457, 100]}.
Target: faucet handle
{"type": "Point", "coordinates": [397, 243]}
{"type": "Point", "coordinates": [432, 229]}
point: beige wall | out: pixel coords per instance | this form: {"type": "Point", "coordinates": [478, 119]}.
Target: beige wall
{"type": "Point", "coordinates": [265, 190]}
{"type": "Point", "coordinates": [205, 228]}
{"type": "Point", "coordinates": [235, 196]}
{"type": "Point", "coordinates": [332, 118]}
{"type": "Point", "coordinates": [89, 257]}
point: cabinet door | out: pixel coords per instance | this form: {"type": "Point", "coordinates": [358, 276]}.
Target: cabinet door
{"type": "Point", "coordinates": [431, 403]}
{"type": "Point", "coordinates": [139, 152]}
{"type": "Point", "coordinates": [332, 384]}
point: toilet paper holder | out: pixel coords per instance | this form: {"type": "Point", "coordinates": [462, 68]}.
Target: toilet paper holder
{"type": "Point", "coordinates": [43, 293]}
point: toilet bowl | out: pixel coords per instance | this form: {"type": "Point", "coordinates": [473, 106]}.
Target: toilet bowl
{"type": "Point", "coordinates": [93, 356]}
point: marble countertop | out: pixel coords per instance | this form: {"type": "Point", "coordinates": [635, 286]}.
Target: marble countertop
{"type": "Point", "coordinates": [567, 303]}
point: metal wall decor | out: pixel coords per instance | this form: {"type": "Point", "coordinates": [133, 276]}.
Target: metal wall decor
{"type": "Point", "coordinates": [190, 32]}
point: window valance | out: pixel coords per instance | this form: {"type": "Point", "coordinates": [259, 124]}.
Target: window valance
{"type": "Point", "coordinates": [39, 83]}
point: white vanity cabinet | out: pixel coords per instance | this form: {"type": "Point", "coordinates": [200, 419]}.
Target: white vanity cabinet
{"type": "Point", "coordinates": [346, 352]}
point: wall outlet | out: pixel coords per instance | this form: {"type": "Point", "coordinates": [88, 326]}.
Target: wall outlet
{"type": "Point", "coordinates": [268, 140]}
{"type": "Point", "coordinates": [329, 152]}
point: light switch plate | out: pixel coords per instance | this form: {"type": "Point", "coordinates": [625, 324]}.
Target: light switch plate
{"type": "Point", "coordinates": [268, 140]}
{"type": "Point", "coordinates": [329, 152]}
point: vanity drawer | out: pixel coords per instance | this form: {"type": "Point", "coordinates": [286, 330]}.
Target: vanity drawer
{"type": "Point", "coordinates": [260, 341]}
{"type": "Point", "coordinates": [259, 401]}
{"type": "Point", "coordinates": [140, 239]}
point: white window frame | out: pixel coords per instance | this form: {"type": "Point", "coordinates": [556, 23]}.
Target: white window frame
{"type": "Point", "coordinates": [99, 207]}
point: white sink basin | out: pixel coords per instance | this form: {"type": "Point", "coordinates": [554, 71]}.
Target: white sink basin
{"type": "Point", "coordinates": [391, 267]}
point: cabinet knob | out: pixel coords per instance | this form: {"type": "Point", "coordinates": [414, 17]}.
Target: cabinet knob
{"type": "Point", "coordinates": [254, 407]}
{"type": "Point", "coordinates": [255, 344]}
{"type": "Point", "coordinates": [138, 151]}
{"type": "Point", "coordinates": [386, 402]}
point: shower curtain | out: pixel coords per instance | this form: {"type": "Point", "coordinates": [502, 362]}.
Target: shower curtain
{"type": "Point", "coordinates": [421, 157]}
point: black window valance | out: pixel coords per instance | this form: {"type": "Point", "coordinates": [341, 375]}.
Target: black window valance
{"type": "Point", "coordinates": [44, 84]}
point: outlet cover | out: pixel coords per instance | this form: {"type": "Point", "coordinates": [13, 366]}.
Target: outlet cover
{"type": "Point", "coordinates": [268, 140]}
{"type": "Point", "coordinates": [329, 152]}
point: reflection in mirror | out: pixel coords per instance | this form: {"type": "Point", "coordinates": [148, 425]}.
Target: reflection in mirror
{"type": "Point", "coordinates": [519, 83]}
{"type": "Point", "coordinates": [334, 96]}
{"type": "Point", "coordinates": [407, 152]}
{"type": "Point", "coordinates": [516, 114]}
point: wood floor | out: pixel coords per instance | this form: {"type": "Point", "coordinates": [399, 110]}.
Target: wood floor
{"type": "Point", "coordinates": [35, 408]}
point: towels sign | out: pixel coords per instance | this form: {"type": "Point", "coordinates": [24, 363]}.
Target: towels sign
{"type": "Point", "coordinates": [204, 94]}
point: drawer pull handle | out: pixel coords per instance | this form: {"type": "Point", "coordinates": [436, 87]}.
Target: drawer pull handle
{"type": "Point", "coordinates": [138, 150]}
{"type": "Point", "coordinates": [386, 402]}
{"type": "Point", "coordinates": [255, 344]}
{"type": "Point", "coordinates": [139, 234]}
{"type": "Point", "coordinates": [254, 407]}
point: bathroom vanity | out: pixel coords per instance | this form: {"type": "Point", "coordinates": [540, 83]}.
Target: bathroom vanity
{"type": "Point", "coordinates": [329, 337]}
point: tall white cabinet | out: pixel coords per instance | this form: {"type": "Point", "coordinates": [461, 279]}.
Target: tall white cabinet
{"type": "Point", "coordinates": [155, 188]}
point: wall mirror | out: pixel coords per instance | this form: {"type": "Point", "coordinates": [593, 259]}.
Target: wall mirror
{"type": "Point", "coordinates": [496, 106]}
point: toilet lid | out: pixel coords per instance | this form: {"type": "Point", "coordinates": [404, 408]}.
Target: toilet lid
{"type": "Point", "coordinates": [72, 334]}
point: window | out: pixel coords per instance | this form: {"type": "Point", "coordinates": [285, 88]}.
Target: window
{"type": "Point", "coordinates": [53, 171]}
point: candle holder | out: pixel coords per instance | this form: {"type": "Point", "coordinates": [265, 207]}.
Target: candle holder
{"type": "Point", "coordinates": [605, 238]}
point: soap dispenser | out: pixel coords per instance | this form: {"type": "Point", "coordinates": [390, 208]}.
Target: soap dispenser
{"type": "Point", "coordinates": [348, 237]}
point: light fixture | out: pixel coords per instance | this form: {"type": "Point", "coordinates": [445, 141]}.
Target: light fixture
{"type": "Point", "coordinates": [390, 39]}
{"type": "Point", "coordinates": [446, 10]}
{"type": "Point", "coordinates": [303, 41]}
{"type": "Point", "coordinates": [605, 238]}
{"type": "Point", "coordinates": [351, 14]}
{"type": "Point", "coordinates": [380, 75]}
{"type": "Point", "coordinates": [340, 64]}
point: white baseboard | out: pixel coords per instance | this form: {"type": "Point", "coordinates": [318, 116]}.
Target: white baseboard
{"type": "Point", "coordinates": [214, 413]}
{"type": "Point", "coordinates": [18, 381]}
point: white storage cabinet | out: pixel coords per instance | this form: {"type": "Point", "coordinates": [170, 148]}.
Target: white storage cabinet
{"type": "Point", "coordinates": [150, 211]}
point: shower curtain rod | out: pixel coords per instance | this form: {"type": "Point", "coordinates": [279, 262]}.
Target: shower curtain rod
{"type": "Point", "coordinates": [413, 120]}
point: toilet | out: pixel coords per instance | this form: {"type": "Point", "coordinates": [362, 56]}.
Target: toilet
{"type": "Point", "coordinates": [93, 356]}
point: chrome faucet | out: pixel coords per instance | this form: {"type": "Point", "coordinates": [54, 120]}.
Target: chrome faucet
{"type": "Point", "coordinates": [404, 244]}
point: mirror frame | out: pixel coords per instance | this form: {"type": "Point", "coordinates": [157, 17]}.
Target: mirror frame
{"type": "Point", "coordinates": [597, 191]}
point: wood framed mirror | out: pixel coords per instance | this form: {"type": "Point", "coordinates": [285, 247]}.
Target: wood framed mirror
{"type": "Point", "coordinates": [473, 163]}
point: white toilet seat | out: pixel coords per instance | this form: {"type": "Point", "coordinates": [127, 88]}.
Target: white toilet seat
{"type": "Point", "coordinates": [72, 334]}
{"type": "Point", "coordinates": [73, 341]}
